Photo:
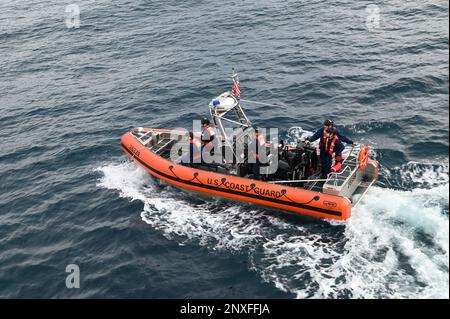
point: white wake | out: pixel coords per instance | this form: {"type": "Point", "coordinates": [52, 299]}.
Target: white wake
{"type": "Point", "coordinates": [395, 245]}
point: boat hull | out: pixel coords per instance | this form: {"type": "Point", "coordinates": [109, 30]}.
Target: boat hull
{"type": "Point", "coordinates": [293, 200]}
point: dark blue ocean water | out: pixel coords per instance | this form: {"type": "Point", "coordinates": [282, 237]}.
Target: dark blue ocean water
{"type": "Point", "coordinates": [68, 195]}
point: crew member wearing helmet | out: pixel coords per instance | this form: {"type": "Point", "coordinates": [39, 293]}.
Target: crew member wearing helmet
{"type": "Point", "coordinates": [256, 151]}
{"type": "Point", "coordinates": [208, 132]}
{"type": "Point", "coordinates": [329, 145]}
{"type": "Point", "coordinates": [320, 133]}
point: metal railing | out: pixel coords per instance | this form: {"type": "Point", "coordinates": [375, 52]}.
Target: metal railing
{"type": "Point", "coordinates": [338, 178]}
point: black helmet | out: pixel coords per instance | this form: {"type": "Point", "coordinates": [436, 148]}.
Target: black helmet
{"type": "Point", "coordinates": [205, 121]}
{"type": "Point", "coordinates": [328, 123]}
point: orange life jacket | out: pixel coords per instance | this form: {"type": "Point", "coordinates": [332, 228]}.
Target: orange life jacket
{"type": "Point", "coordinates": [210, 132]}
{"type": "Point", "coordinates": [261, 141]}
{"type": "Point", "coordinates": [329, 148]}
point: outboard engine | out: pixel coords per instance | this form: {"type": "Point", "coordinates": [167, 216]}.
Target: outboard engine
{"type": "Point", "coordinates": [296, 164]}
{"type": "Point", "coordinates": [308, 159]}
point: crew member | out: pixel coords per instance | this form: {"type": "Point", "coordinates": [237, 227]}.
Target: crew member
{"type": "Point", "coordinates": [208, 132]}
{"type": "Point", "coordinates": [320, 133]}
{"type": "Point", "coordinates": [260, 147]}
{"type": "Point", "coordinates": [195, 151]}
{"type": "Point", "coordinates": [329, 145]}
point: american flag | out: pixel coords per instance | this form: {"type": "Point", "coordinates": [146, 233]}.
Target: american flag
{"type": "Point", "coordinates": [236, 90]}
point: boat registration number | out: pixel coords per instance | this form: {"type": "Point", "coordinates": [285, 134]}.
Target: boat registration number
{"type": "Point", "coordinates": [135, 151]}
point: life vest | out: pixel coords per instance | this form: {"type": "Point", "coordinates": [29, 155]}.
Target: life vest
{"type": "Point", "coordinates": [329, 148]}
{"type": "Point", "coordinates": [210, 133]}
{"type": "Point", "coordinates": [260, 141]}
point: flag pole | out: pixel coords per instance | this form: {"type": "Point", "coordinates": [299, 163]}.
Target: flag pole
{"type": "Point", "coordinates": [235, 85]}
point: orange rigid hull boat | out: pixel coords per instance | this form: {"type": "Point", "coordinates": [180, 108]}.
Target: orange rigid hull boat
{"type": "Point", "coordinates": [291, 179]}
{"type": "Point", "coordinates": [259, 192]}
